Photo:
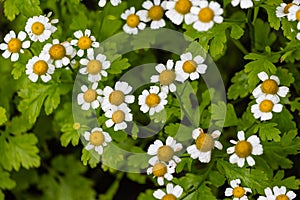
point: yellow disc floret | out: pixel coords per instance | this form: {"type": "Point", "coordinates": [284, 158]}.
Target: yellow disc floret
{"type": "Point", "coordinates": [189, 66]}
{"type": "Point", "coordinates": [133, 20]}
{"type": "Point", "coordinates": [90, 95]}
{"type": "Point", "coordinates": [206, 15]}
{"type": "Point", "coordinates": [243, 149]}
{"type": "Point", "coordinates": [37, 28]}
{"type": "Point", "coordinates": [152, 100]}
{"type": "Point", "coordinates": [269, 86]}
{"type": "Point", "coordinates": [298, 15]}
{"type": "Point", "coordinates": [266, 106]}
{"type": "Point", "coordinates": [156, 13]}
{"type": "Point", "coordinates": [57, 51]}
{"type": "Point", "coordinates": [238, 192]}
{"type": "Point", "coordinates": [84, 43]}
{"type": "Point", "coordinates": [14, 45]}
{"type": "Point", "coordinates": [40, 67]}
{"type": "Point", "coordinates": [116, 97]}
{"type": "Point", "coordinates": [287, 7]}
{"type": "Point", "coordinates": [166, 77]}
{"type": "Point", "coordinates": [76, 126]}
{"type": "Point", "coordinates": [96, 138]}
{"type": "Point", "coordinates": [169, 197]}
{"type": "Point", "coordinates": [165, 153]}
{"type": "Point", "coordinates": [205, 142]}
{"type": "Point", "coordinates": [183, 6]}
{"type": "Point", "coordinates": [94, 67]}
{"type": "Point", "coordinates": [282, 197]}
{"type": "Point", "coordinates": [118, 116]}
{"type": "Point", "coordinates": [159, 169]}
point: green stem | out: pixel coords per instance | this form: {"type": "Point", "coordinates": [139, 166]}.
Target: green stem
{"type": "Point", "coordinates": [251, 29]}
{"type": "Point", "coordinates": [240, 46]}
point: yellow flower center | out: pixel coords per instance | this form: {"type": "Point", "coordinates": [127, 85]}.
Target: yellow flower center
{"type": "Point", "coordinates": [165, 153]}
{"type": "Point", "coordinates": [37, 28]}
{"type": "Point", "coordinates": [189, 66]}
{"type": "Point", "coordinates": [205, 142]}
{"type": "Point", "coordinates": [90, 95]}
{"type": "Point", "coordinates": [298, 15]}
{"type": "Point", "coordinates": [282, 197]}
{"type": "Point", "coordinates": [169, 197]}
{"type": "Point", "coordinates": [238, 192]}
{"type": "Point", "coordinates": [96, 138]}
{"type": "Point", "coordinates": [152, 100]}
{"type": "Point", "coordinates": [269, 86]}
{"type": "Point", "coordinates": [118, 116]}
{"type": "Point", "coordinates": [40, 67]}
{"type": "Point", "coordinates": [84, 42]}
{"type": "Point", "coordinates": [243, 149]}
{"type": "Point", "coordinates": [159, 169]}
{"type": "Point", "coordinates": [206, 15]}
{"type": "Point", "coordinates": [94, 67]}
{"type": "Point", "coordinates": [166, 77]}
{"type": "Point", "coordinates": [133, 20]}
{"type": "Point", "coordinates": [76, 126]}
{"type": "Point", "coordinates": [183, 6]}
{"type": "Point", "coordinates": [266, 106]}
{"type": "Point", "coordinates": [156, 13]}
{"type": "Point", "coordinates": [116, 97]}
{"type": "Point", "coordinates": [57, 51]}
{"type": "Point", "coordinates": [14, 45]}
{"type": "Point", "coordinates": [287, 7]}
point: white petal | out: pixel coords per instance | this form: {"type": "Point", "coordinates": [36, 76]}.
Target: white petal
{"type": "Point", "coordinates": [250, 161]}
{"type": "Point", "coordinates": [263, 76]}
{"type": "Point", "coordinates": [241, 135]}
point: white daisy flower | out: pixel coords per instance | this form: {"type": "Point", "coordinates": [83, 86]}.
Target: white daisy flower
{"type": "Point", "coordinates": [205, 14]}
{"type": "Point", "coordinates": [89, 97]}
{"type": "Point", "coordinates": [163, 152]}
{"type": "Point", "coordinates": [166, 77]}
{"type": "Point", "coordinates": [294, 14]}
{"type": "Point", "coordinates": [189, 67]}
{"type": "Point", "coordinates": [154, 12]}
{"type": "Point", "coordinates": [270, 85]}
{"type": "Point", "coordinates": [179, 10]}
{"type": "Point", "coordinates": [172, 192]}
{"type": "Point", "coordinates": [279, 194]}
{"type": "Point", "coordinates": [40, 28]}
{"type": "Point", "coordinates": [102, 3]}
{"type": "Point", "coordinates": [238, 192]}
{"type": "Point", "coordinates": [152, 101]}
{"type": "Point", "coordinates": [118, 116]}
{"type": "Point", "coordinates": [96, 66]}
{"type": "Point", "coordinates": [243, 149]}
{"type": "Point", "coordinates": [205, 143]}
{"type": "Point", "coordinates": [283, 9]}
{"type": "Point", "coordinates": [244, 4]}
{"type": "Point", "coordinates": [39, 66]}
{"type": "Point", "coordinates": [162, 171]}
{"type": "Point", "coordinates": [84, 42]}
{"type": "Point", "coordinates": [59, 53]}
{"type": "Point", "coordinates": [97, 139]}
{"type": "Point", "coordinates": [14, 45]}
{"type": "Point", "coordinates": [264, 107]}
{"type": "Point", "coordinates": [117, 96]}
{"type": "Point", "coordinates": [133, 21]}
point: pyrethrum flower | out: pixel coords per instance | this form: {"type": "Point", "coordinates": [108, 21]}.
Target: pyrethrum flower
{"type": "Point", "coordinates": [243, 149]}
{"type": "Point", "coordinates": [179, 10]}
{"type": "Point", "coordinates": [205, 143]}
{"type": "Point", "coordinates": [89, 97]}
{"type": "Point", "coordinates": [102, 3]}
{"type": "Point", "coordinates": [14, 45]}
{"type": "Point", "coordinates": [95, 66]}
{"type": "Point", "coordinates": [189, 67]}
{"type": "Point", "coordinates": [283, 9]}
{"type": "Point", "coordinates": [237, 191]}
{"type": "Point", "coordinates": [163, 152]}
{"type": "Point", "coordinates": [39, 66]}
{"type": "Point", "coordinates": [162, 171]}
{"type": "Point", "coordinates": [152, 101]}
{"type": "Point", "coordinates": [118, 116]}
{"type": "Point", "coordinates": [279, 194]}
{"type": "Point", "coordinates": [85, 42]}
{"type": "Point", "coordinates": [244, 4]}
{"type": "Point", "coordinates": [133, 21]}
{"type": "Point", "coordinates": [264, 107]}
{"type": "Point", "coordinates": [172, 192]}
{"type": "Point", "coordinates": [154, 12]}
{"type": "Point", "coordinates": [97, 139]}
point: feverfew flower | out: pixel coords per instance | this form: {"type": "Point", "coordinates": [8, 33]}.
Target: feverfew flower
{"type": "Point", "coordinates": [118, 116]}
{"type": "Point", "coordinates": [163, 152]}
{"type": "Point", "coordinates": [89, 97]}
{"type": "Point", "coordinates": [279, 194]}
{"type": "Point", "coordinates": [102, 3]}
{"type": "Point", "coordinates": [162, 171]}
{"type": "Point", "coordinates": [283, 9]}
{"type": "Point", "coordinates": [243, 149]}
{"type": "Point", "coordinates": [14, 45]}
{"type": "Point", "coordinates": [133, 21]}
{"type": "Point", "coordinates": [243, 3]}
{"type": "Point", "coordinates": [172, 192]}
{"type": "Point", "coordinates": [97, 139]}
{"type": "Point", "coordinates": [237, 191]}
{"type": "Point", "coordinates": [179, 10]}
{"type": "Point", "coordinates": [189, 67]}
{"type": "Point", "coordinates": [84, 42]}
{"type": "Point", "coordinates": [205, 143]}
{"type": "Point", "coordinates": [264, 107]}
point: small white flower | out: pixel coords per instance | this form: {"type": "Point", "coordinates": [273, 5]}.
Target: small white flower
{"type": "Point", "coordinates": [283, 9]}
{"type": "Point", "coordinates": [294, 14]}
{"type": "Point", "coordinates": [172, 192]}
{"type": "Point", "coordinates": [152, 101]}
{"type": "Point", "coordinates": [39, 66]}
{"type": "Point", "coordinates": [205, 143]}
{"type": "Point", "coordinates": [89, 97]}
{"type": "Point", "coordinates": [95, 66]}
{"type": "Point", "coordinates": [243, 149]}
{"type": "Point", "coordinates": [264, 107]}
{"type": "Point", "coordinates": [84, 42]}
{"type": "Point", "coordinates": [269, 86]}
{"type": "Point", "coordinates": [102, 3]}
{"type": "Point", "coordinates": [238, 192]}
{"type": "Point", "coordinates": [117, 96]}
{"type": "Point", "coordinates": [189, 67]}
{"type": "Point", "coordinates": [279, 193]}
{"type": "Point", "coordinates": [162, 171]}
{"type": "Point", "coordinates": [14, 45]}
{"type": "Point", "coordinates": [97, 139]}
{"type": "Point", "coordinates": [154, 12]}
{"type": "Point", "coordinates": [118, 116]}
{"type": "Point", "coordinates": [243, 3]}
{"type": "Point", "coordinates": [133, 21]}
{"type": "Point", "coordinates": [179, 10]}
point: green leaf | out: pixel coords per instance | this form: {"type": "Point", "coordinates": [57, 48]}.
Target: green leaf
{"type": "Point", "coordinates": [295, 105]}
{"type": "Point", "coordinates": [290, 182]}
{"type": "Point", "coordinates": [91, 158]}
{"type": "Point", "coordinates": [179, 131]}
{"type": "Point", "coordinates": [5, 181]}
{"type": "Point", "coordinates": [3, 117]}
{"type": "Point", "coordinates": [139, 160]}
{"type": "Point", "coordinates": [118, 65]}
{"type": "Point", "coordinates": [284, 120]}
{"type": "Point", "coordinates": [216, 178]}
{"type": "Point", "coordinates": [263, 35]}
{"type": "Point", "coordinates": [138, 178]}
{"type": "Point", "coordinates": [19, 124]}
{"type": "Point", "coordinates": [29, 7]}
{"type": "Point", "coordinates": [147, 195]}
{"type": "Point", "coordinates": [205, 193]}
{"type": "Point", "coordinates": [274, 21]}
{"type": "Point", "coordinates": [286, 78]}
{"type": "Point", "coordinates": [236, 32]}
{"type": "Point", "coordinates": [69, 135]}
{"type": "Point", "coordinates": [289, 28]}
{"type": "Point", "coordinates": [11, 9]}
{"type": "Point", "coordinates": [240, 86]}
{"type": "Point", "coordinates": [185, 163]}
{"type": "Point", "coordinates": [224, 115]}
{"type": "Point", "coordinates": [268, 131]}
